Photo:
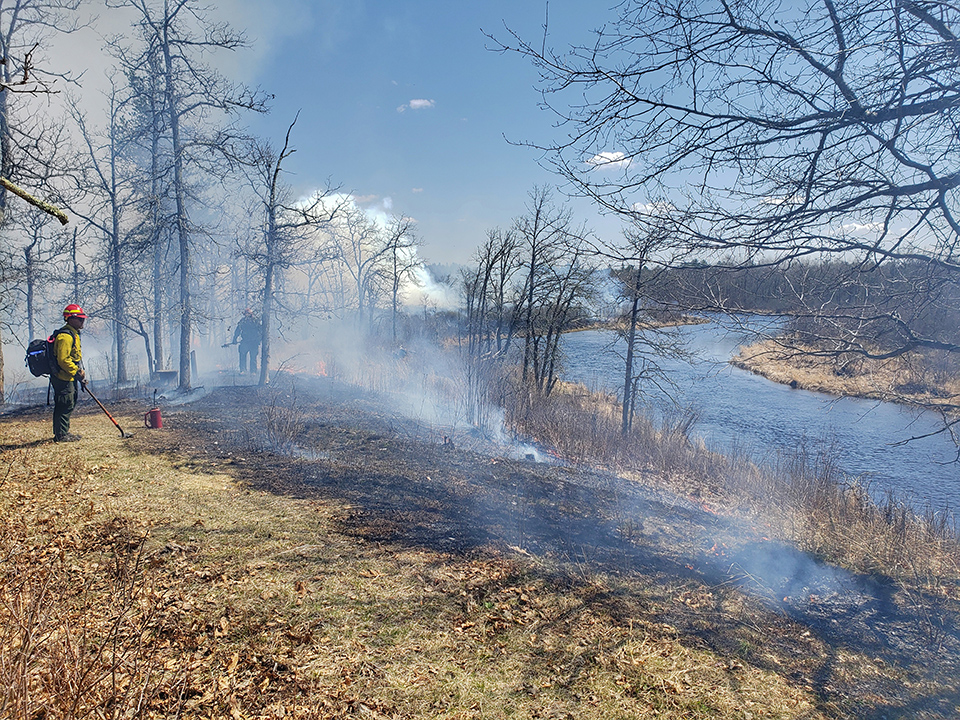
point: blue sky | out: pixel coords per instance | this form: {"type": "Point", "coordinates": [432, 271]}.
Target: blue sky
{"type": "Point", "coordinates": [405, 105]}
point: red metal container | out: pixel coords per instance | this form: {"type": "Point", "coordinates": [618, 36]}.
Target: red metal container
{"type": "Point", "coordinates": [152, 419]}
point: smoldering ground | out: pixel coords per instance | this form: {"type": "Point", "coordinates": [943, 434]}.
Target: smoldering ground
{"type": "Point", "coordinates": [639, 551]}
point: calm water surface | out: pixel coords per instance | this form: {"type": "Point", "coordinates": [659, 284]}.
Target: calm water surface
{"type": "Point", "coordinates": [739, 409]}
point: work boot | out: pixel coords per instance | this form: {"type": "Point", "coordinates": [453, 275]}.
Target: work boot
{"type": "Point", "coordinates": [69, 437]}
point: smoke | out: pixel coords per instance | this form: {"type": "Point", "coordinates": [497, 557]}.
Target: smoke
{"type": "Point", "coordinates": [785, 574]}
{"type": "Point", "coordinates": [425, 290]}
{"type": "Point", "coordinates": [423, 386]}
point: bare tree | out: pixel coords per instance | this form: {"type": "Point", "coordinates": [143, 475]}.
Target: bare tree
{"type": "Point", "coordinates": [180, 33]}
{"type": "Point", "coordinates": [647, 340]}
{"type": "Point", "coordinates": [288, 229]}
{"type": "Point", "coordinates": [40, 248]}
{"type": "Point", "coordinates": [361, 252]}
{"type": "Point", "coordinates": [557, 280]}
{"type": "Point", "coordinates": [149, 133]}
{"type": "Point", "coordinates": [487, 288]}
{"type": "Point", "coordinates": [401, 261]}
{"type": "Point", "coordinates": [24, 26]}
{"type": "Point", "coordinates": [109, 192]}
{"type": "Point", "coordinates": [490, 303]}
{"type": "Point", "coordinates": [781, 132]}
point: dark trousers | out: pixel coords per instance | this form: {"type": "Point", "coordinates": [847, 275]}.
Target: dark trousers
{"type": "Point", "coordinates": [64, 401]}
{"type": "Point", "coordinates": [250, 350]}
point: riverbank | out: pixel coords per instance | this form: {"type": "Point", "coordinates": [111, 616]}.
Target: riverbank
{"type": "Point", "coordinates": [900, 380]}
{"type": "Point", "coordinates": [378, 571]}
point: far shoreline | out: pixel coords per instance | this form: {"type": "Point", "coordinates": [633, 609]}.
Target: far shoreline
{"type": "Point", "coordinates": [892, 380]}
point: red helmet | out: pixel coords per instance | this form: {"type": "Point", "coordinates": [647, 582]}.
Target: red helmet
{"type": "Point", "coordinates": [74, 310]}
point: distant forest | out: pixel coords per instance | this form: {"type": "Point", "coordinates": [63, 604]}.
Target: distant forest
{"type": "Point", "coordinates": [829, 302]}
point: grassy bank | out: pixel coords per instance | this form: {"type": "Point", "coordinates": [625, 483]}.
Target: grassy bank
{"type": "Point", "coordinates": [183, 574]}
{"type": "Point", "coordinates": [801, 497]}
{"type": "Point", "coordinates": [910, 379]}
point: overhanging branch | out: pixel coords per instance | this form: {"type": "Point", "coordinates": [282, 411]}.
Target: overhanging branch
{"type": "Point", "coordinates": [35, 201]}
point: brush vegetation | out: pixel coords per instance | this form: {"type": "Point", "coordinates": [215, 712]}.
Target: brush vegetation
{"type": "Point", "coordinates": [802, 496]}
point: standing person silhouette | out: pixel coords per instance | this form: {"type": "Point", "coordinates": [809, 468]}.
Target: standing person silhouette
{"type": "Point", "coordinates": [248, 335]}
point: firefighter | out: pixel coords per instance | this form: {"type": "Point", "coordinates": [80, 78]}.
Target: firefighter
{"type": "Point", "coordinates": [69, 373]}
{"type": "Point", "coordinates": [248, 335]}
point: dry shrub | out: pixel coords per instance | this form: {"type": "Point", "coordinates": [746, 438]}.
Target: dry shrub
{"type": "Point", "coordinates": [282, 420]}
{"type": "Point", "coordinates": [804, 494]}
{"type": "Point", "coordinates": [77, 613]}
{"type": "Point", "coordinates": [842, 520]}
{"type": "Point", "coordinates": [585, 428]}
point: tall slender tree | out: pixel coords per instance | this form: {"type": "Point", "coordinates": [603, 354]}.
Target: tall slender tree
{"type": "Point", "coordinates": [556, 280]}
{"type": "Point", "coordinates": [108, 194]}
{"type": "Point", "coordinates": [288, 230]}
{"type": "Point", "coordinates": [179, 33]}
{"type": "Point", "coordinates": [401, 262]}
{"type": "Point", "coordinates": [25, 25]}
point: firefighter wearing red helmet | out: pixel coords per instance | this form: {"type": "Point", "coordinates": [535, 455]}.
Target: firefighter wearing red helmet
{"type": "Point", "coordinates": [69, 372]}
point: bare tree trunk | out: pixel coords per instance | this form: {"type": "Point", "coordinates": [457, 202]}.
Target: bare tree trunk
{"type": "Point", "coordinates": [268, 275]}
{"type": "Point", "coordinates": [154, 107]}
{"type": "Point", "coordinates": [35, 201]}
{"type": "Point", "coordinates": [30, 281]}
{"type": "Point", "coordinates": [5, 163]}
{"type": "Point", "coordinates": [626, 417]}
{"type": "Point", "coordinates": [142, 332]}
{"type": "Point", "coordinates": [74, 267]}
{"type": "Point", "coordinates": [265, 325]}
{"type": "Point", "coordinates": [183, 240]}
{"type": "Point", "coordinates": [119, 306]}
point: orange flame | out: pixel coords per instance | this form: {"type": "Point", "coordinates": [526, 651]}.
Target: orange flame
{"type": "Point", "coordinates": [321, 368]}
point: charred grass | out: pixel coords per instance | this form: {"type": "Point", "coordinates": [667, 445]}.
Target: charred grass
{"type": "Point", "coordinates": [194, 572]}
{"type": "Point", "coordinates": [801, 498]}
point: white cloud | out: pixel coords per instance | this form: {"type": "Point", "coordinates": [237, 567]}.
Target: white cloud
{"type": "Point", "coordinates": [416, 104]}
{"type": "Point", "coordinates": [772, 200]}
{"type": "Point", "coordinates": [416, 190]}
{"type": "Point", "coordinates": [654, 209]}
{"type": "Point", "coordinates": [861, 229]}
{"type": "Point", "coordinates": [609, 160]}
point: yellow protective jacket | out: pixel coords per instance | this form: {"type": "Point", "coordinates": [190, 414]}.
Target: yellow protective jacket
{"type": "Point", "coordinates": [66, 349]}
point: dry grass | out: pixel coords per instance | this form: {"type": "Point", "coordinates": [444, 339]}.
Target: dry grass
{"type": "Point", "coordinates": [911, 379]}
{"type": "Point", "coordinates": [802, 499]}
{"type": "Point", "coordinates": [138, 584]}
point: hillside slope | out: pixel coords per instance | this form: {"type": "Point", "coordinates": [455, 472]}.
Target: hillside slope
{"type": "Point", "coordinates": [374, 571]}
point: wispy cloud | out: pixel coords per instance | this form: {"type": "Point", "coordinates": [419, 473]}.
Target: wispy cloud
{"type": "Point", "coordinates": [654, 209]}
{"type": "Point", "coordinates": [609, 161]}
{"type": "Point", "coordinates": [416, 104]}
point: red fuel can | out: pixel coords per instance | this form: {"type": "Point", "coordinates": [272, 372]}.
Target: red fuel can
{"type": "Point", "coordinates": [152, 419]}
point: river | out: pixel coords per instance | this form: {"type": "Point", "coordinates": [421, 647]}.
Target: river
{"type": "Point", "coordinates": [737, 409]}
